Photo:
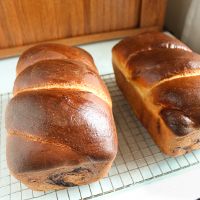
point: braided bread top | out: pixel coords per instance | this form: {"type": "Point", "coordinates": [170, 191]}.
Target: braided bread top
{"type": "Point", "coordinates": [51, 52]}
{"type": "Point", "coordinates": [52, 66]}
{"type": "Point", "coordinates": [60, 99]}
{"type": "Point", "coordinates": [165, 72]}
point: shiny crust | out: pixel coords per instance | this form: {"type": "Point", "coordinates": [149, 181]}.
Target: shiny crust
{"type": "Point", "coordinates": [52, 52]}
{"type": "Point", "coordinates": [61, 114]}
{"type": "Point", "coordinates": [151, 67]}
{"type": "Point", "coordinates": [54, 73]}
{"type": "Point", "coordinates": [163, 77]}
{"type": "Point", "coordinates": [180, 108]}
{"type": "Point", "coordinates": [71, 115]}
{"type": "Point", "coordinates": [153, 40]}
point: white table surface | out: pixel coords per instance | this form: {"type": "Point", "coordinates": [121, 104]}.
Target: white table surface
{"type": "Point", "coordinates": [182, 185]}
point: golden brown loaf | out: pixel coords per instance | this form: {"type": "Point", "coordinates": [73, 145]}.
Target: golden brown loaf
{"type": "Point", "coordinates": [60, 126]}
{"type": "Point", "coordinates": [159, 76]}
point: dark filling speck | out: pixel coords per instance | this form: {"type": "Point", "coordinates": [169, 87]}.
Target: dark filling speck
{"type": "Point", "coordinates": [58, 178]}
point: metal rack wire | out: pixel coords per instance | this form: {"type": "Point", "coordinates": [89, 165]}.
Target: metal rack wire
{"type": "Point", "coordinates": [138, 158]}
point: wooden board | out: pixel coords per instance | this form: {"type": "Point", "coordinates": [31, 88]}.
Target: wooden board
{"type": "Point", "coordinates": [8, 52]}
{"type": "Point", "coordinates": [152, 13]}
{"type": "Point", "coordinates": [24, 23]}
{"type": "Point", "coordinates": [31, 21]}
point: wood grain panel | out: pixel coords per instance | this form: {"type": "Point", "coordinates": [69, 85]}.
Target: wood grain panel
{"type": "Point", "coordinates": [8, 52]}
{"type": "Point", "coordinates": [152, 13]}
{"type": "Point", "coordinates": [25, 22]}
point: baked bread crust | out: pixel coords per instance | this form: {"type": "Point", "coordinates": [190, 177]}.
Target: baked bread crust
{"type": "Point", "coordinates": [159, 76]}
{"type": "Point", "coordinates": [60, 126]}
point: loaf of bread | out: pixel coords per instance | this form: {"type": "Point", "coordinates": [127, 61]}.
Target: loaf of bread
{"type": "Point", "coordinates": [159, 76]}
{"type": "Point", "coordinates": [61, 131]}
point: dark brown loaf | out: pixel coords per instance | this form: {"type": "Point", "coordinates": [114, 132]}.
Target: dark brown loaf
{"type": "Point", "coordinates": [159, 76]}
{"type": "Point", "coordinates": [60, 126]}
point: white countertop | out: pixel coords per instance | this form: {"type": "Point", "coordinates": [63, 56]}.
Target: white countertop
{"type": "Point", "coordinates": [182, 185]}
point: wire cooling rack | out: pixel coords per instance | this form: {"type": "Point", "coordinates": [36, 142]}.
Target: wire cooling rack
{"type": "Point", "coordinates": [138, 158]}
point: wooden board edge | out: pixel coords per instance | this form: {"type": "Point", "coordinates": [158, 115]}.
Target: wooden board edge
{"type": "Point", "coordinates": [16, 51]}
